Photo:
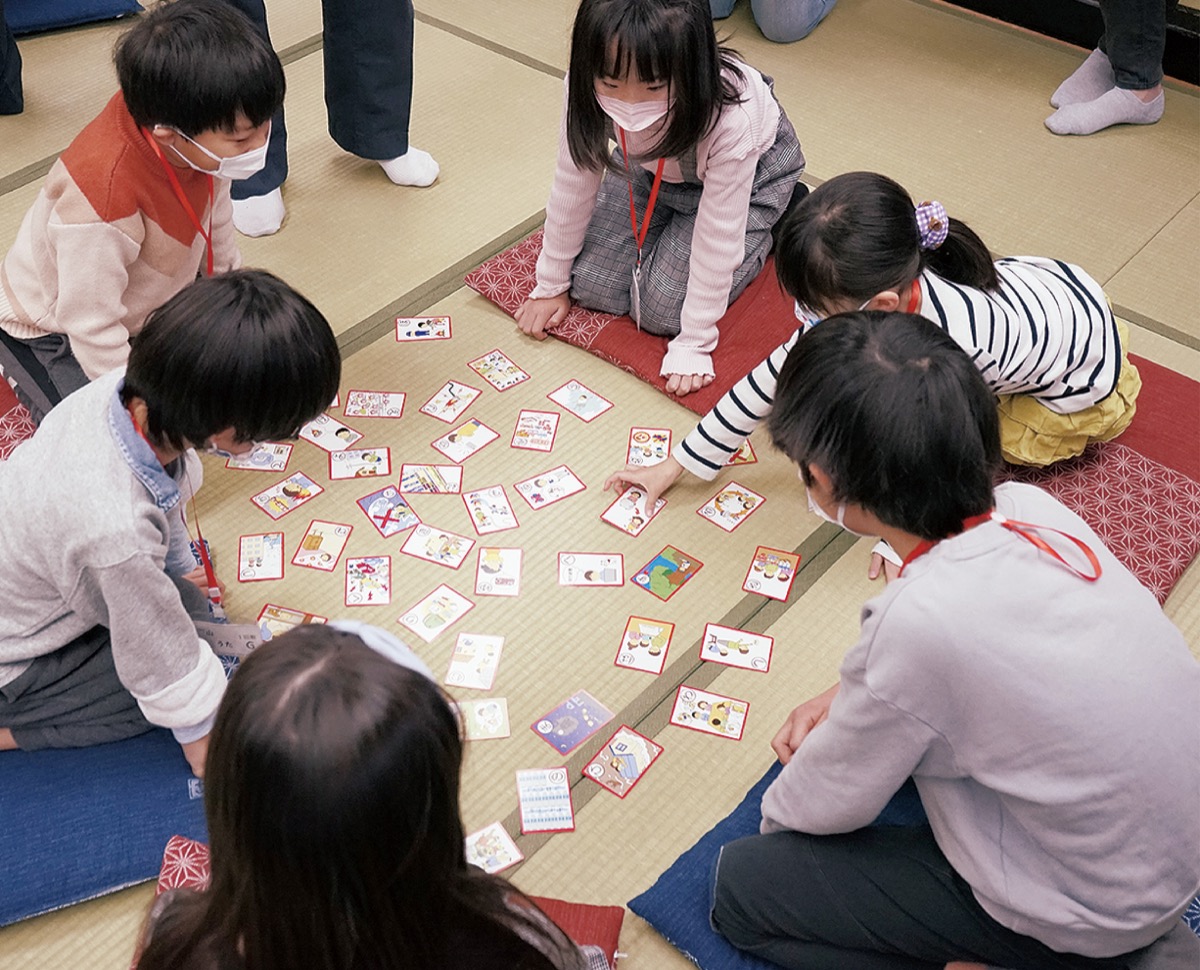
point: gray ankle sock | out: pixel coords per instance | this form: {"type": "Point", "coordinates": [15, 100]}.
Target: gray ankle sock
{"type": "Point", "coordinates": [1117, 106]}
{"type": "Point", "coordinates": [1091, 79]}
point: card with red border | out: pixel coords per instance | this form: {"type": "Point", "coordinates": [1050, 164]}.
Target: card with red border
{"type": "Point", "coordinates": [321, 546]}
{"type": "Point", "coordinates": [744, 455]}
{"type": "Point", "coordinates": [287, 495]}
{"type": "Point", "coordinates": [360, 463]}
{"type": "Point", "coordinates": [492, 849]}
{"type": "Point", "coordinates": [498, 369]}
{"type": "Point", "coordinates": [450, 401]}
{"type": "Point", "coordinates": [432, 479]}
{"type": "Point", "coordinates": [465, 440]}
{"type": "Point", "coordinates": [731, 506]}
{"type": "Point", "coordinates": [388, 511]}
{"type": "Point", "coordinates": [702, 710]}
{"type": "Point", "coordinates": [274, 620]}
{"type": "Point", "coordinates": [535, 430]}
{"type": "Point", "coordinates": [591, 569]}
{"type": "Point", "coordinates": [422, 328]}
{"type": "Point", "coordinates": [648, 446]}
{"type": "Point", "coordinates": [549, 487]}
{"type": "Point", "coordinates": [623, 760]}
{"type": "Point", "coordinates": [498, 572]}
{"type": "Point", "coordinates": [369, 581]}
{"type": "Point", "coordinates": [328, 434]}
{"type": "Point", "coordinates": [644, 644]}
{"type": "Point", "coordinates": [374, 404]}
{"type": "Point", "coordinates": [580, 400]}
{"type": "Point", "coordinates": [260, 557]}
{"type": "Point", "coordinates": [437, 545]}
{"type": "Point", "coordinates": [267, 457]}
{"type": "Point", "coordinates": [490, 510]}
{"type": "Point", "coordinates": [663, 575]}
{"type": "Point", "coordinates": [475, 660]}
{"type": "Point", "coordinates": [736, 648]}
{"type": "Point", "coordinates": [544, 797]}
{"type": "Point", "coordinates": [628, 511]}
{"type": "Point", "coordinates": [568, 724]}
{"type": "Point", "coordinates": [771, 573]}
{"type": "Point", "coordinates": [435, 612]}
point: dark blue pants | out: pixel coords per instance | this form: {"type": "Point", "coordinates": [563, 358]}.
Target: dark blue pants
{"type": "Point", "coordinates": [12, 100]}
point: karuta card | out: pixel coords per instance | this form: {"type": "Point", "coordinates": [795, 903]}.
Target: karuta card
{"type": "Point", "coordinates": [549, 486]}
{"type": "Point", "coordinates": [322, 545]}
{"type": "Point", "coordinates": [360, 463]}
{"type": "Point", "coordinates": [374, 404]}
{"type": "Point", "coordinates": [260, 557]}
{"type": "Point", "coordinates": [274, 620]}
{"type": "Point", "coordinates": [628, 512]}
{"type": "Point", "coordinates": [620, 764]}
{"type": "Point", "coordinates": [437, 545]}
{"type": "Point", "coordinates": [771, 573]}
{"type": "Point", "coordinates": [644, 644]}
{"type": "Point", "coordinates": [535, 430]}
{"type": "Point", "coordinates": [572, 722]}
{"type": "Point", "coordinates": [648, 446]}
{"type": "Point", "coordinates": [485, 719]}
{"type": "Point", "coordinates": [435, 612]}
{"type": "Point", "coordinates": [711, 713]}
{"type": "Point", "coordinates": [388, 511]}
{"type": "Point", "coordinates": [591, 569]}
{"type": "Point", "coordinates": [475, 660]}
{"type": "Point", "coordinates": [744, 455]}
{"type": "Point", "coordinates": [422, 328]}
{"type": "Point", "coordinates": [498, 370]}
{"type": "Point", "coordinates": [461, 443]}
{"type": "Point", "coordinates": [492, 849]}
{"type": "Point", "coordinates": [267, 457]}
{"type": "Point", "coordinates": [581, 401]}
{"type": "Point", "coordinates": [736, 648]}
{"type": "Point", "coordinates": [731, 506]}
{"type": "Point", "coordinates": [282, 497]}
{"type": "Point", "coordinates": [490, 510]}
{"type": "Point", "coordinates": [498, 572]}
{"type": "Point", "coordinates": [544, 795]}
{"type": "Point", "coordinates": [667, 572]}
{"type": "Point", "coordinates": [450, 401]}
{"type": "Point", "coordinates": [328, 434]}
{"type": "Point", "coordinates": [369, 581]}
{"type": "Point", "coordinates": [433, 479]}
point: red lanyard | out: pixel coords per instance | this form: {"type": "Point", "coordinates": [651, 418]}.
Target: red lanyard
{"type": "Point", "coordinates": [640, 237]}
{"type": "Point", "coordinates": [182, 197]}
{"type": "Point", "coordinates": [1020, 528]}
{"type": "Point", "coordinates": [914, 297]}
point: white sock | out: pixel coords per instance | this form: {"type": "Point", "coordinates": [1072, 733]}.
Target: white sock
{"type": "Point", "coordinates": [1117, 106]}
{"type": "Point", "coordinates": [1091, 79]}
{"type": "Point", "coordinates": [414, 167]}
{"type": "Point", "coordinates": [259, 215]}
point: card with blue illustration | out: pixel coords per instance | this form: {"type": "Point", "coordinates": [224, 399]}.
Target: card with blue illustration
{"type": "Point", "coordinates": [580, 400]}
{"type": "Point", "coordinates": [667, 572]}
{"type": "Point", "coordinates": [623, 760]}
{"type": "Point", "coordinates": [388, 511]}
{"type": "Point", "coordinates": [572, 722]}
{"type": "Point", "coordinates": [267, 457]}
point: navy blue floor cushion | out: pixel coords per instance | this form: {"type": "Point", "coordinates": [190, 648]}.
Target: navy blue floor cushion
{"type": "Point", "coordinates": [27, 16]}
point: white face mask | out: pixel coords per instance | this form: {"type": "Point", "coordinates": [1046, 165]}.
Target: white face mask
{"type": "Point", "coordinates": [809, 319]}
{"type": "Point", "coordinates": [820, 513]}
{"type": "Point", "coordinates": [212, 449]}
{"type": "Point", "coordinates": [634, 116]}
{"type": "Point", "coordinates": [236, 166]}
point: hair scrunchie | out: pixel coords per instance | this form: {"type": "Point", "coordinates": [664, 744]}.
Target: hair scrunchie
{"type": "Point", "coordinates": [933, 223]}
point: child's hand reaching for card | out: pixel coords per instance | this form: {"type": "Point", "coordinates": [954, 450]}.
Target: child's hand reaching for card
{"type": "Point", "coordinates": [653, 479]}
{"type": "Point", "coordinates": [800, 724]}
{"type": "Point", "coordinates": [537, 317]}
{"type": "Point", "coordinates": [682, 385]}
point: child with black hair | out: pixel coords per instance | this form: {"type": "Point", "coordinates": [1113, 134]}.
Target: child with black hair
{"type": "Point", "coordinates": [1022, 677]}
{"type": "Point", "coordinates": [335, 834]}
{"type": "Point", "coordinates": [676, 223]}
{"type": "Point", "coordinates": [96, 641]}
{"type": "Point", "coordinates": [138, 203]}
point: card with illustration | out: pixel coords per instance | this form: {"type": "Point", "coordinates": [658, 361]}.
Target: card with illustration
{"type": "Point", "coordinates": [374, 404]}
{"type": "Point", "coordinates": [360, 463]}
{"type": "Point", "coordinates": [485, 719]}
{"type": "Point", "coordinates": [461, 443]}
{"type": "Point", "coordinates": [422, 328]}
{"type": "Point", "coordinates": [435, 612]}
{"type": "Point", "coordinates": [711, 713]}
{"type": "Point", "coordinates": [498, 369]}
{"type": "Point", "coordinates": [369, 581]}
{"type": "Point", "coordinates": [492, 849]}
{"type": "Point", "coordinates": [267, 457]}
{"type": "Point", "coordinates": [591, 569]}
{"type": "Point", "coordinates": [329, 434]}
{"type": "Point", "coordinates": [322, 545]}
{"type": "Point", "coordinates": [433, 479]}
{"type": "Point", "coordinates": [771, 573]}
{"type": "Point", "coordinates": [535, 430]}
{"type": "Point", "coordinates": [644, 644]}
{"type": "Point", "coordinates": [490, 510]}
{"type": "Point", "coordinates": [388, 511]}
{"type": "Point", "coordinates": [260, 557]}
{"type": "Point", "coordinates": [569, 724]}
{"type": "Point", "coordinates": [628, 512]}
{"type": "Point", "coordinates": [544, 796]}
{"type": "Point", "coordinates": [648, 446]}
{"type": "Point", "coordinates": [736, 648]}
{"type": "Point", "coordinates": [274, 620]}
{"type": "Point", "coordinates": [549, 486]}
{"type": "Point", "coordinates": [667, 572]}
{"type": "Point", "coordinates": [744, 455]}
{"type": "Point", "coordinates": [620, 764]}
{"type": "Point", "coordinates": [437, 545]}
{"type": "Point", "coordinates": [498, 572]}
{"type": "Point", "coordinates": [731, 506]}
{"type": "Point", "coordinates": [450, 401]}
{"type": "Point", "coordinates": [282, 497]}
{"type": "Point", "coordinates": [337, 399]}
{"type": "Point", "coordinates": [475, 660]}
{"type": "Point", "coordinates": [580, 400]}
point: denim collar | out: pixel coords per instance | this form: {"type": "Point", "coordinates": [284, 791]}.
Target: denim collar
{"type": "Point", "coordinates": [140, 456]}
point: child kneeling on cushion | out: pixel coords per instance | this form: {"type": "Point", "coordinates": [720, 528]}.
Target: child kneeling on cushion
{"type": "Point", "coordinates": [96, 642]}
{"type": "Point", "coordinates": [1016, 671]}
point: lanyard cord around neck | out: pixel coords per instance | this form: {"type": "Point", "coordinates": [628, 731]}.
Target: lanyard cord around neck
{"type": "Point", "coordinates": [183, 199]}
{"type": "Point", "coordinates": [640, 237]}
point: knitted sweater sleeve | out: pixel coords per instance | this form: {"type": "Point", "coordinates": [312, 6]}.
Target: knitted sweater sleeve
{"type": "Point", "coordinates": [226, 254]}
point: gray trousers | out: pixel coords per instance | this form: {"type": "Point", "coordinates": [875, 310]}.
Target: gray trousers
{"type": "Point", "coordinates": [41, 371]}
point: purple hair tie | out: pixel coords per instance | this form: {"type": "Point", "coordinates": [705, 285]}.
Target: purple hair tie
{"type": "Point", "coordinates": [933, 224]}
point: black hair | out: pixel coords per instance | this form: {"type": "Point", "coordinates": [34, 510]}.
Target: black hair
{"type": "Point", "coordinates": [196, 65]}
{"type": "Point", "coordinates": [241, 350]}
{"type": "Point", "coordinates": [896, 414]}
{"type": "Point", "coordinates": [654, 40]}
{"type": "Point", "coordinates": [336, 841]}
{"type": "Point", "coordinates": [856, 235]}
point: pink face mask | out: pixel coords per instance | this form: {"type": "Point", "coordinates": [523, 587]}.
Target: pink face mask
{"type": "Point", "coordinates": [634, 116]}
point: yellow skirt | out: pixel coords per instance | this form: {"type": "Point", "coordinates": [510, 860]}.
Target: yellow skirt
{"type": "Point", "coordinates": [1032, 434]}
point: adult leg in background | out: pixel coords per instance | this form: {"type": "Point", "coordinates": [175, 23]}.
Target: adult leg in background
{"type": "Point", "coordinates": [12, 98]}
